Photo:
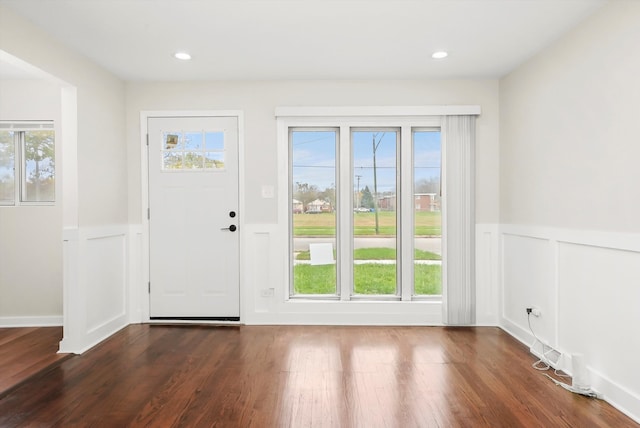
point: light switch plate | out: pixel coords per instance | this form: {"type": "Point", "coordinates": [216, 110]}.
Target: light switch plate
{"type": "Point", "coordinates": [268, 191]}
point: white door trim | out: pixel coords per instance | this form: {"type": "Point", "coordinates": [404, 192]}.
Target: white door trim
{"type": "Point", "coordinates": [140, 293]}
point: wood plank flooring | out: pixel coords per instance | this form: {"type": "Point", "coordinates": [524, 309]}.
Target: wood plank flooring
{"type": "Point", "coordinates": [302, 376]}
{"type": "Point", "coordinates": [25, 352]}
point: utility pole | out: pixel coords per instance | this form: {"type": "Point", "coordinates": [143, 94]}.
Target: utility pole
{"type": "Point", "coordinates": [358, 191]}
{"type": "Point", "coordinates": [375, 180]}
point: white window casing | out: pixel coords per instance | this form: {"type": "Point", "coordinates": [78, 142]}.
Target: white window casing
{"type": "Point", "coordinates": [458, 207]}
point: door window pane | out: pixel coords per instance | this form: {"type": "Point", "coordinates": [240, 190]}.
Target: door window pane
{"type": "Point", "coordinates": [427, 169]}
{"type": "Point", "coordinates": [214, 140]}
{"type": "Point", "coordinates": [214, 146]}
{"type": "Point", "coordinates": [193, 150]}
{"type": "Point", "coordinates": [313, 204]}
{"type": "Point", "coordinates": [374, 217]}
{"type": "Point", "coordinates": [7, 167]}
{"type": "Point", "coordinates": [39, 166]}
{"type": "Point", "coordinates": [214, 160]}
{"type": "Point", "coordinates": [193, 140]}
{"type": "Point", "coordinates": [193, 160]}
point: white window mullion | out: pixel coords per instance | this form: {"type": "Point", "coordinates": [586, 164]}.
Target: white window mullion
{"type": "Point", "coordinates": [290, 234]}
{"type": "Point", "coordinates": [345, 215]}
{"type": "Point", "coordinates": [405, 217]}
{"type": "Point", "coordinates": [19, 173]}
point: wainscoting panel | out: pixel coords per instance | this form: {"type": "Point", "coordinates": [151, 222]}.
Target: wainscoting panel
{"type": "Point", "coordinates": [96, 285]}
{"type": "Point", "coordinates": [105, 278]}
{"type": "Point", "coordinates": [137, 292]}
{"type": "Point", "coordinates": [587, 287]}
{"type": "Point", "coordinates": [599, 313]}
{"type": "Point", "coordinates": [528, 281]}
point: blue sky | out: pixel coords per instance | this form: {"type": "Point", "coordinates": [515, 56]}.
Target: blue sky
{"type": "Point", "coordinates": [194, 140]}
{"type": "Point", "coordinates": [314, 157]}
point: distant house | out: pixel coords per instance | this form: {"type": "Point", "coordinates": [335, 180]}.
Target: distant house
{"type": "Point", "coordinates": [427, 202]}
{"type": "Point", "coordinates": [423, 202]}
{"type": "Point", "coordinates": [387, 203]}
{"type": "Point", "coordinates": [318, 206]}
{"type": "Point", "coordinates": [298, 207]}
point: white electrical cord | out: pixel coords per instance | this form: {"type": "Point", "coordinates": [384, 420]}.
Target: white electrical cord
{"type": "Point", "coordinates": [547, 365]}
{"type": "Point", "coordinates": [587, 392]}
{"type": "Point", "coordinates": [543, 359]}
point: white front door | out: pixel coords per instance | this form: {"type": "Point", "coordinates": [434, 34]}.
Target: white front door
{"type": "Point", "coordinates": [193, 218]}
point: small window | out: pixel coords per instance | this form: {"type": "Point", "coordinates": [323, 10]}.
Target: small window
{"type": "Point", "coordinates": [27, 163]}
{"type": "Point", "coordinates": [193, 151]}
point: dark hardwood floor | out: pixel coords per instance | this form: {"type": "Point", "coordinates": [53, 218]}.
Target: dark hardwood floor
{"type": "Point", "coordinates": [26, 352]}
{"type": "Point", "coordinates": [302, 376]}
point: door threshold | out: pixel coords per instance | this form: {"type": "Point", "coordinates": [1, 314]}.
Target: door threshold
{"type": "Point", "coordinates": [195, 318]}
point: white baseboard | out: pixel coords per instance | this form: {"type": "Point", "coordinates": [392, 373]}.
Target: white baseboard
{"type": "Point", "coordinates": [35, 321]}
{"type": "Point", "coordinates": [69, 346]}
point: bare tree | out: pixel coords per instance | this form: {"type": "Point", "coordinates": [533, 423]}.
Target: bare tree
{"type": "Point", "coordinates": [305, 193]}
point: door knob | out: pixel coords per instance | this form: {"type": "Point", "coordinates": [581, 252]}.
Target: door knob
{"type": "Point", "coordinates": [232, 228]}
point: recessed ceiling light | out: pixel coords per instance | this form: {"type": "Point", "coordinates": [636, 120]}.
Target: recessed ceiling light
{"type": "Point", "coordinates": [439, 55]}
{"type": "Point", "coordinates": [182, 55]}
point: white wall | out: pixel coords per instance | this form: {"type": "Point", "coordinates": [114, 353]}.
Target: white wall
{"type": "Point", "coordinates": [570, 200]}
{"type": "Point", "coordinates": [96, 236]}
{"type": "Point", "coordinates": [31, 236]}
{"type": "Point", "coordinates": [100, 121]}
{"type": "Point", "coordinates": [258, 101]}
{"type": "Point", "coordinates": [569, 142]}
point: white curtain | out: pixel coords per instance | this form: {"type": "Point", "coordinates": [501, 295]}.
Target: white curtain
{"type": "Point", "coordinates": [459, 293]}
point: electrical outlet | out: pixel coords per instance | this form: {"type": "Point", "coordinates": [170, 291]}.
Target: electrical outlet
{"type": "Point", "coordinates": [534, 311]}
{"type": "Point", "coordinates": [267, 292]}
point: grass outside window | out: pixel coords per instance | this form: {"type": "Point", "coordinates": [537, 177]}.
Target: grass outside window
{"type": "Point", "coordinates": [324, 224]}
{"type": "Point", "coordinates": [372, 279]}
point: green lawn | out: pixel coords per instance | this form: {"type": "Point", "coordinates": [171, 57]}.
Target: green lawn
{"type": "Point", "coordinates": [369, 279]}
{"type": "Point", "coordinates": [324, 224]}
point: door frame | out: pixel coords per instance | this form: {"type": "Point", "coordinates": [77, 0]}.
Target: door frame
{"type": "Point", "coordinates": [139, 296]}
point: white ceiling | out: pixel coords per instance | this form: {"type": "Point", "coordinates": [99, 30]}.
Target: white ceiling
{"type": "Point", "coordinates": [306, 39]}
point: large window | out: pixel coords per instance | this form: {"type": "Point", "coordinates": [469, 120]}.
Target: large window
{"type": "Point", "coordinates": [27, 163]}
{"type": "Point", "coordinates": [365, 211]}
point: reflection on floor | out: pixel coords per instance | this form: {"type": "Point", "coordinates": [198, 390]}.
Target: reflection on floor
{"type": "Point", "coordinates": [26, 352]}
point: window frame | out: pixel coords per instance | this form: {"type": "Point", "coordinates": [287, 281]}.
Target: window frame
{"type": "Point", "coordinates": [398, 180]}
{"type": "Point", "coordinates": [411, 210]}
{"type": "Point", "coordinates": [290, 235]}
{"type": "Point", "coordinates": [404, 125]}
{"type": "Point", "coordinates": [20, 128]}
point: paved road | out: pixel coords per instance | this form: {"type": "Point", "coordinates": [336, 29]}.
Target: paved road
{"type": "Point", "coordinates": [427, 244]}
